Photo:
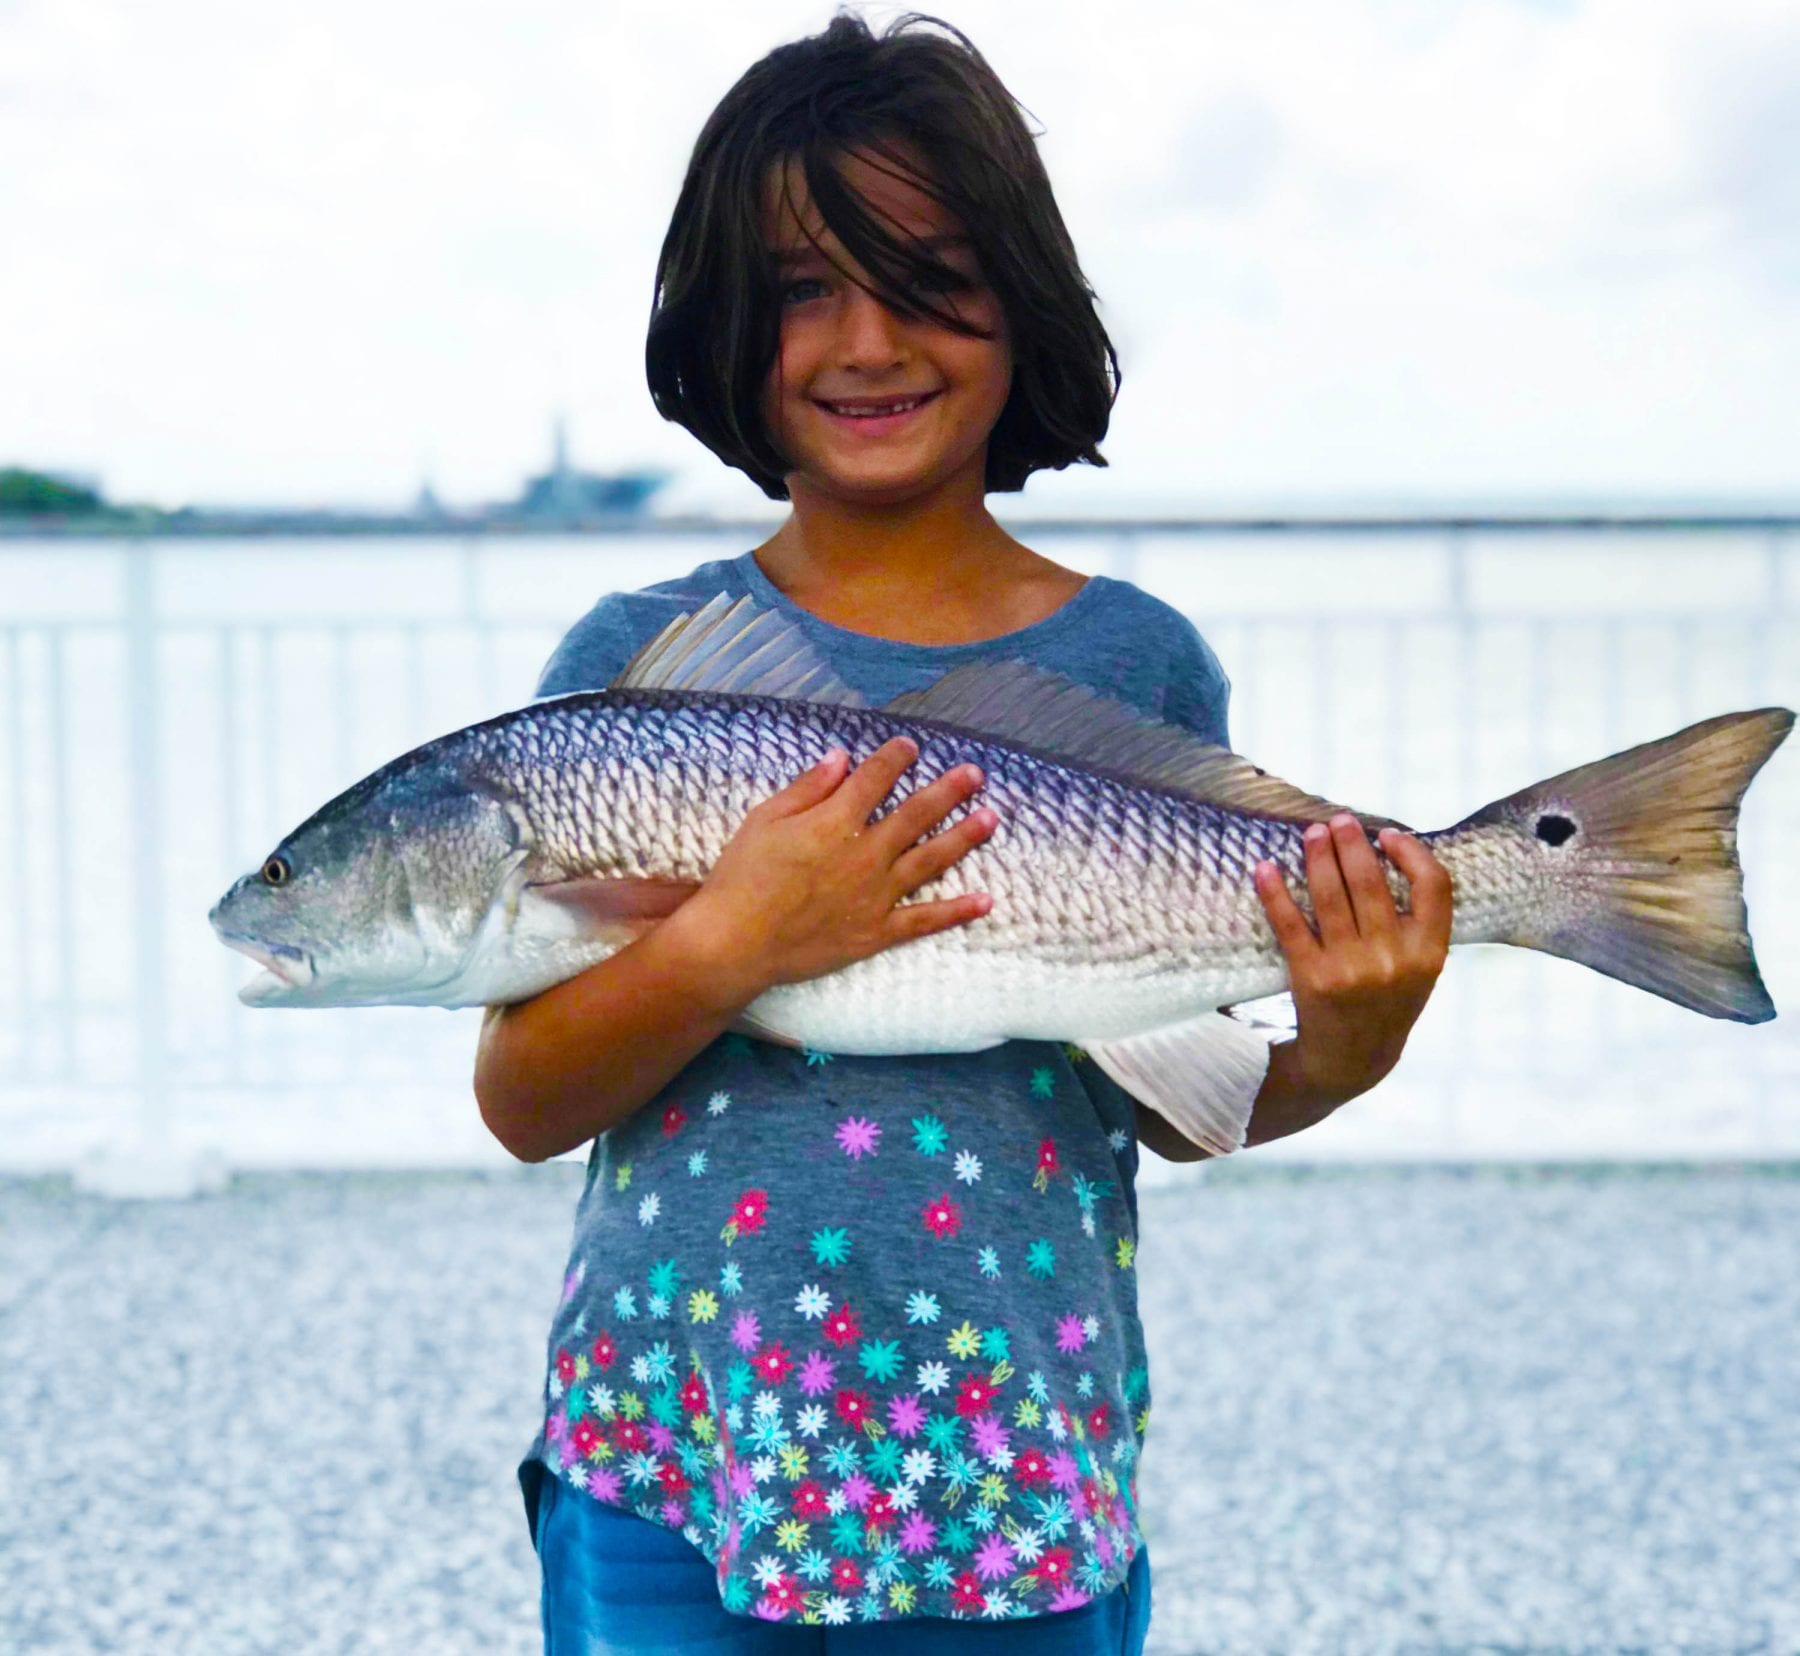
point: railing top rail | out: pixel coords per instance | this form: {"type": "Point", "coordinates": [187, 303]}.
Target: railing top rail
{"type": "Point", "coordinates": [12, 532]}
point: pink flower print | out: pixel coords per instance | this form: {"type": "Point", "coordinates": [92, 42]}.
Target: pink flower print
{"type": "Point", "coordinates": [994, 1558]}
{"type": "Point", "coordinates": [881, 1510]}
{"type": "Point", "coordinates": [674, 1119]}
{"type": "Point", "coordinates": [1062, 1471]}
{"type": "Point", "coordinates": [693, 1395]}
{"type": "Point", "coordinates": [988, 1435]}
{"type": "Point", "coordinates": [809, 1500]}
{"type": "Point", "coordinates": [565, 1367]}
{"type": "Point", "coordinates": [966, 1594]}
{"type": "Point", "coordinates": [843, 1326]}
{"type": "Point", "coordinates": [918, 1534]}
{"type": "Point", "coordinates": [817, 1374]}
{"type": "Point", "coordinates": [1099, 1421]}
{"type": "Point", "coordinates": [856, 1490]}
{"type": "Point", "coordinates": [672, 1478]}
{"type": "Point", "coordinates": [631, 1437]}
{"type": "Point", "coordinates": [586, 1435]}
{"type": "Point", "coordinates": [845, 1576]}
{"type": "Point", "coordinates": [780, 1598]}
{"type": "Point", "coordinates": [751, 1209]}
{"type": "Point", "coordinates": [1068, 1597]}
{"type": "Point", "coordinates": [606, 1353]}
{"type": "Point", "coordinates": [746, 1332]}
{"type": "Point", "coordinates": [772, 1364]}
{"type": "Point", "coordinates": [1047, 1165]}
{"type": "Point", "coordinates": [858, 1137]}
{"type": "Point", "coordinates": [1070, 1335]}
{"type": "Point", "coordinates": [852, 1408]}
{"type": "Point", "coordinates": [1033, 1468]}
{"type": "Point", "coordinates": [1052, 1570]}
{"type": "Point", "coordinates": [906, 1415]}
{"type": "Point", "coordinates": [662, 1440]}
{"type": "Point", "coordinates": [603, 1484]}
{"type": "Point", "coordinates": [943, 1218]}
{"type": "Point", "coordinates": [975, 1395]}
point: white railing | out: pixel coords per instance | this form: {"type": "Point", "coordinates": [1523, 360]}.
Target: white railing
{"type": "Point", "coordinates": [169, 708]}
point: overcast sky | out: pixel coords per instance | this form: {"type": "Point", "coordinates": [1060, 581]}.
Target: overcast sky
{"type": "Point", "coordinates": [1347, 248]}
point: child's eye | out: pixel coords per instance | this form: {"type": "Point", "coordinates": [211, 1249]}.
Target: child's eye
{"type": "Point", "coordinates": [943, 281]}
{"type": "Point", "coordinates": [791, 294]}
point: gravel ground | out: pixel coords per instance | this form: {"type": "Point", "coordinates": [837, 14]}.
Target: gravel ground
{"type": "Point", "coordinates": [1397, 1410]}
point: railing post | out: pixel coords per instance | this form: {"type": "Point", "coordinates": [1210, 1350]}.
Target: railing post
{"type": "Point", "coordinates": [143, 1159]}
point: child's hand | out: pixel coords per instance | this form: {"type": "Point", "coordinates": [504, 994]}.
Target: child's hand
{"type": "Point", "coordinates": [808, 884]}
{"type": "Point", "coordinates": [1361, 981]}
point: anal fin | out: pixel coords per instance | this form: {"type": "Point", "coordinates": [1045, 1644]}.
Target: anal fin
{"type": "Point", "coordinates": [1201, 1076]}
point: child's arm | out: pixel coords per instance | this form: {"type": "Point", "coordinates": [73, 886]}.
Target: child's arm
{"type": "Point", "coordinates": [806, 885]}
{"type": "Point", "coordinates": [1359, 985]}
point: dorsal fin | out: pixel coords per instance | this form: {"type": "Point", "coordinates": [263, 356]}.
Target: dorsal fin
{"type": "Point", "coordinates": [735, 647]}
{"type": "Point", "coordinates": [1017, 702]}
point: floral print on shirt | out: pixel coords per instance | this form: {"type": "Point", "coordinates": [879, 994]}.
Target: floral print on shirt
{"type": "Point", "coordinates": [864, 1330]}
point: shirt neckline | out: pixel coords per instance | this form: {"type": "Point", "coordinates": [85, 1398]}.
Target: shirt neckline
{"type": "Point", "coordinates": [1066, 614]}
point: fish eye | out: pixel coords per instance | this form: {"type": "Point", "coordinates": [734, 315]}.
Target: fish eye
{"type": "Point", "coordinates": [277, 871]}
{"type": "Point", "coordinates": [1553, 828]}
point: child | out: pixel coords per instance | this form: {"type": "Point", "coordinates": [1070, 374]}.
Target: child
{"type": "Point", "coordinates": [856, 1339]}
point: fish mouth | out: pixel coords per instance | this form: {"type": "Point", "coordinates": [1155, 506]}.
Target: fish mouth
{"type": "Point", "coordinates": [285, 968]}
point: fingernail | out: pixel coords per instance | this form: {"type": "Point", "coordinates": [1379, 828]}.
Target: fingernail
{"type": "Point", "coordinates": [1343, 820]}
{"type": "Point", "coordinates": [1315, 833]}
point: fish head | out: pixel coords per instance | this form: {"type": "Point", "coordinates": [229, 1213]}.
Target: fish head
{"type": "Point", "coordinates": [382, 897]}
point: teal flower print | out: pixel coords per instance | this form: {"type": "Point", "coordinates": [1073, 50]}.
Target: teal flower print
{"type": "Point", "coordinates": [1043, 1083]}
{"type": "Point", "coordinates": [880, 1359]}
{"type": "Point", "coordinates": [922, 1307]}
{"type": "Point", "coordinates": [696, 1164]}
{"type": "Point", "coordinates": [665, 1278]}
{"type": "Point", "coordinates": [831, 1246]}
{"type": "Point", "coordinates": [987, 1261]}
{"type": "Point", "coordinates": [1040, 1258]}
{"type": "Point", "coordinates": [930, 1136]}
{"type": "Point", "coordinates": [814, 1057]}
{"type": "Point", "coordinates": [995, 1346]}
{"type": "Point", "coordinates": [731, 1278]}
{"type": "Point", "coordinates": [625, 1305]}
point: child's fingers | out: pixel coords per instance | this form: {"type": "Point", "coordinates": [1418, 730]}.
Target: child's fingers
{"type": "Point", "coordinates": [873, 780]}
{"type": "Point", "coordinates": [1285, 917]}
{"type": "Point", "coordinates": [1432, 904]}
{"type": "Point", "coordinates": [910, 920]}
{"type": "Point", "coordinates": [808, 788]}
{"type": "Point", "coordinates": [1371, 903]}
{"type": "Point", "coordinates": [1330, 901]}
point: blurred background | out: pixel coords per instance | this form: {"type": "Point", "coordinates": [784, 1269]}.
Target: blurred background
{"type": "Point", "coordinates": [1461, 345]}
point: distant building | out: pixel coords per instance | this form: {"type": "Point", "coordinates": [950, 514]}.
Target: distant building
{"type": "Point", "coordinates": [565, 495]}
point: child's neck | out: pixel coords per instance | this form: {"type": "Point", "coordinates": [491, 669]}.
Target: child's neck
{"type": "Point", "coordinates": [937, 573]}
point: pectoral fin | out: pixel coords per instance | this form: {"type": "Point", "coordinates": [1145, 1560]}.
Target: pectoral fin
{"type": "Point", "coordinates": [1202, 1076]}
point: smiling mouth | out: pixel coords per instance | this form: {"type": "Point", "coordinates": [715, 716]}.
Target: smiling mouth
{"type": "Point", "coordinates": [866, 408]}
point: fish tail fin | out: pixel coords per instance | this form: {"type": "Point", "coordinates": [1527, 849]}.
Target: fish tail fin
{"type": "Point", "coordinates": [1654, 895]}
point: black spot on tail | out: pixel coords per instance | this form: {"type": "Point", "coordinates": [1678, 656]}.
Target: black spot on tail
{"type": "Point", "coordinates": [1553, 829]}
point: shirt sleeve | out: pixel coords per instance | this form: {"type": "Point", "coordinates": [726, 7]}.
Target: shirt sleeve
{"type": "Point", "coordinates": [592, 651]}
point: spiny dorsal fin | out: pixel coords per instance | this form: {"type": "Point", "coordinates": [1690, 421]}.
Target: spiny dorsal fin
{"type": "Point", "coordinates": [738, 647]}
{"type": "Point", "coordinates": [1017, 702]}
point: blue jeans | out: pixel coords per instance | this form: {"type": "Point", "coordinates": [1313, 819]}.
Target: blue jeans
{"type": "Point", "coordinates": [618, 1585]}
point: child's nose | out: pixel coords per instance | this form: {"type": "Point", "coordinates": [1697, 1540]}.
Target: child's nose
{"type": "Point", "coordinates": [869, 334]}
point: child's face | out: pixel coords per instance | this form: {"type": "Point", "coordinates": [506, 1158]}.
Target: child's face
{"type": "Point", "coordinates": [840, 346]}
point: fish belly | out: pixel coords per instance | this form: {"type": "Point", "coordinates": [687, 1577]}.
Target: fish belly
{"type": "Point", "coordinates": [931, 996]}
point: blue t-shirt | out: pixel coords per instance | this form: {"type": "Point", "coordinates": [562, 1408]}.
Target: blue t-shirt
{"type": "Point", "coordinates": [865, 1330]}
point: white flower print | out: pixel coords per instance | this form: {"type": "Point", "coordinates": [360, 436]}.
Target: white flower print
{"type": "Point", "coordinates": [834, 1611]}
{"type": "Point", "coordinates": [718, 1104]}
{"type": "Point", "coordinates": [917, 1465]}
{"type": "Point", "coordinates": [812, 1302]}
{"type": "Point", "coordinates": [1090, 1326]}
{"type": "Point", "coordinates": [1118, 1138]}
{"type": "Point", "coordinates": [810, 1421]}
{"type": "Point", "coordinates": [649, 1208]}
{"type": "Point", "coordinates": [932, 1377]}
{"type": "Point", "coordinates": [762, 1469]}
{"type": "Point", "coordinates": [766, 1570]}
{"type": "Point", "coordinates": [968, 1166]}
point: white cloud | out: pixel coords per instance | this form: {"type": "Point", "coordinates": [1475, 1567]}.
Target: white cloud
{"type": "Point", "coordinates": [1343, 246]}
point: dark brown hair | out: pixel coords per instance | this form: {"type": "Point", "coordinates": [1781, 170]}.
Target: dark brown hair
{"type": "Point", "coordinates": [715, 323]}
